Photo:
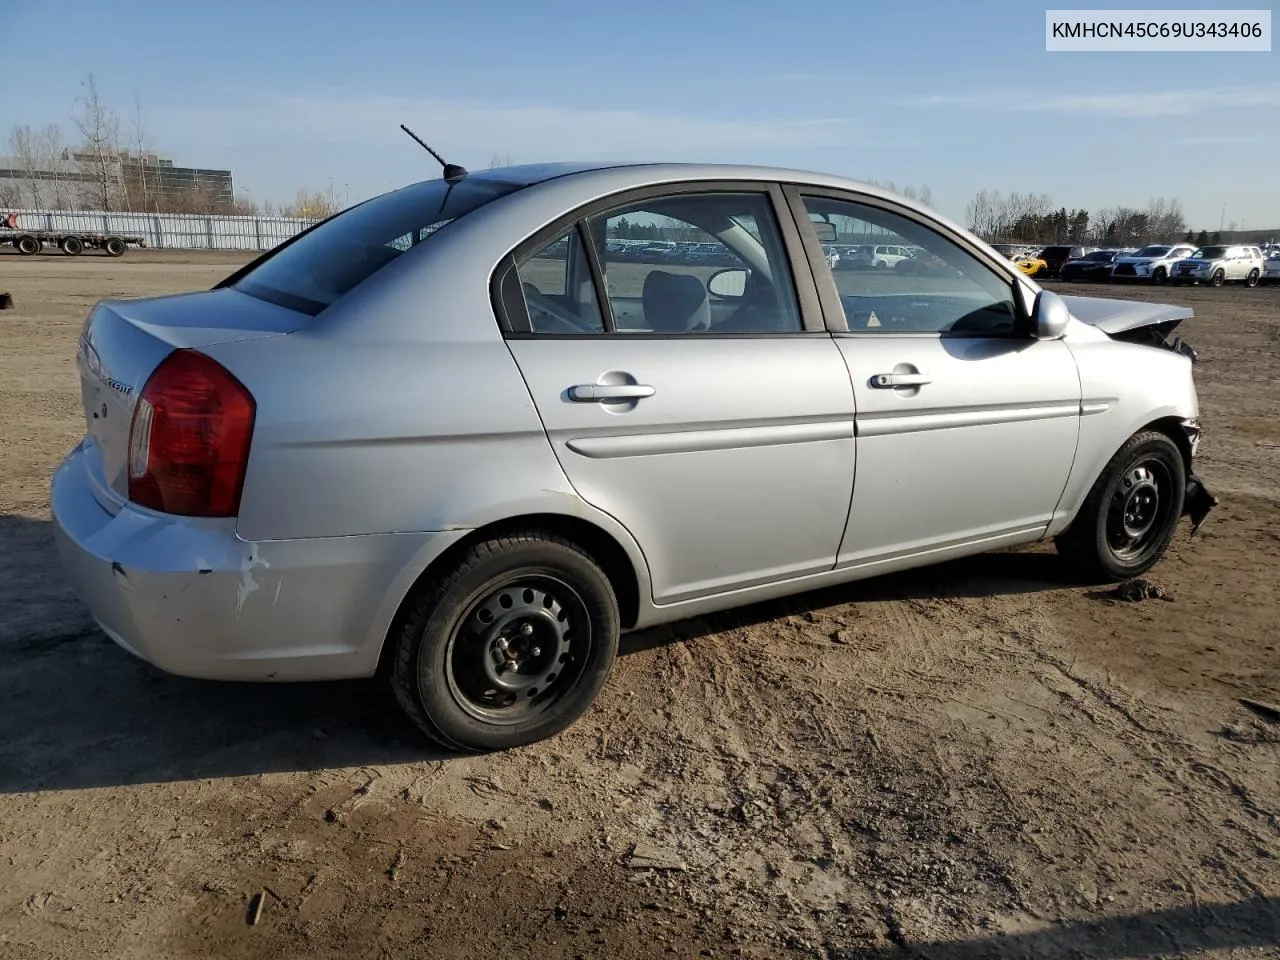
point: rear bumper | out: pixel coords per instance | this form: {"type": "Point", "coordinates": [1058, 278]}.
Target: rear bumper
{"type": "Point", "coordinates": [192, 598]}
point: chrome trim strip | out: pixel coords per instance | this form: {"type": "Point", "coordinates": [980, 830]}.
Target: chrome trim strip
{"type": "Point", "coordinates": [884, 424]}
{"type": "Point", "coordinates": [691, 441]}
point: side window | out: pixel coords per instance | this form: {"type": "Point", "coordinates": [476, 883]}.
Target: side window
{"type": "Point", "coordinates": [696, 263]}
{"type": "Point", "coordinates": [558, 290]}
{"type": "Point", "coordinates": [934, 287]}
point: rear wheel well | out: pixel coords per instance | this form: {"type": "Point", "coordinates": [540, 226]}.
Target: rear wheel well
{"type": "Point", "coordinates": [603, 548]}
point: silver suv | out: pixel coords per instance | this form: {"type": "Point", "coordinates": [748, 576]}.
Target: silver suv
{"type": "Point", "coordinates": [1220, 264]}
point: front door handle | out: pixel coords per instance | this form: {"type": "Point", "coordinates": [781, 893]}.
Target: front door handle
{"type": "Point", "coordinates": [888, 381]}
{"type": "Point", "coordinates": [598, 392]}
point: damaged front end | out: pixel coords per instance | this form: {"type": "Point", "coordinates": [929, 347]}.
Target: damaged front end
{"type": "Point", "coordinates": [1159, 335]}
{"type": "Point", "coordinates": [1198, 501]}
{"type": "Point", "coordinates": [1133, 321]}
{"type": "Point", "coordinates": [1153, 324]}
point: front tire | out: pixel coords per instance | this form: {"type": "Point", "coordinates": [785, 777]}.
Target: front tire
{"type": "Point", "coordinates": [1129, 517]}
{"type": "Point", "coordinates": [509, 646]}
{"type": "Point", "coordinates": [1159, 275]}
{"type": "Point", "coordinates": [1219, 278]}
{"type": "Point", "coordinates": [1252, 279]}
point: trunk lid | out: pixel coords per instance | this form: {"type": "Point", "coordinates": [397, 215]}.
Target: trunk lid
{"type": "Point", "coordinates": [123, 342]}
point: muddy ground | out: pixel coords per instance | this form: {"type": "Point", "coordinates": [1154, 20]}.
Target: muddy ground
{"type": "Point", "coordinates": [980, 759]}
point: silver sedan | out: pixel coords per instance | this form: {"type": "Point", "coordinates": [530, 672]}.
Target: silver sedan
{"type": "Point", "coordinates": [455, 437]}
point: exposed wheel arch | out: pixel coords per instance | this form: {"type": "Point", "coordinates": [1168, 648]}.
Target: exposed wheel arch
{"type": "Point", "coordinates": [601, 545]}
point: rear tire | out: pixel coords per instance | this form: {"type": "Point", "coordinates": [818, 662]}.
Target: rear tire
{"type": "Point", "coordinates": [508, 646]}
{"type": "Point", "coordinates": [28, 245]}
{"type": "Point", "coordinates": [114, 247]}
{"type": "Point", "coordinates": [1128, 519]}
{"type": "Point", "coordinates": [72, 246]}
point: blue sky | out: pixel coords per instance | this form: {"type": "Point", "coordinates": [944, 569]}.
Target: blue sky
{"type": "Point", "coordinates": [960, 96]}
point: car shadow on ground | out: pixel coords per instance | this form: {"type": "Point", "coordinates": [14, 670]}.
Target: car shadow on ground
{"type": "Point", "coordinates": [81, 713]}
{"type": "Point", "coordinates": [1178, 931]}
{"type": "Point", "coordinates": [1002, 573]}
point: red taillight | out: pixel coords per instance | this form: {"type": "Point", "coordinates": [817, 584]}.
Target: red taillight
{"type": "Point", "coordinates": [189, 440]}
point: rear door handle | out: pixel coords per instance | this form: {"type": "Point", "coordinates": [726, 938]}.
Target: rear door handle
{"type": "Point", "coordinates": [887, 381]}
{"type": "Point", "coordinates": [597, 392]}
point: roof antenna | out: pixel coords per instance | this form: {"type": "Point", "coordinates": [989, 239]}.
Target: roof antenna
{"type": "Point", "coordinates": [452, 172]}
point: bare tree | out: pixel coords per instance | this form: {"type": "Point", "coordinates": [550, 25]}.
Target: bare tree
{"type": "Point", "coordinates": [141, 147]}
{"type": "Point", "coordinates": [10, 195]}
{"type": "Point", "coordinates": [54, 152]}
{"type": "Point", "coordinates": [311, 204]}
{"type": "Point", "coordinates": [26, 146]}
{"type": "Point", "coordinates": [501, 160]}
{"type": "Point", "coordinates": [100, 127]}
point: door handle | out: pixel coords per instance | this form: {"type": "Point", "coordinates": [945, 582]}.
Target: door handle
{"type": "Point", "coordinates": [888, 381]}
{"type": "Point", "coordinates": [597, 392]}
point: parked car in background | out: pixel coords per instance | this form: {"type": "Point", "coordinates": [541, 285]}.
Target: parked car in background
{"type": "Point", "coordinates": [1153, 262]}
{"type": "Point", "coordinates": [1031, 265]}
{"type": "Point", "coordinates": [406, 444]}
{"type": "Point", "coordinates": [879, 256]}
{"type": "Point", "coordinates": [1055, 256]}
{"type": "Point", "coordinates": [1222, 263]}
{"type": "Point", "coordinates": [1271, 268]}
{"type": "Point", "coordinates": [1095, 265]}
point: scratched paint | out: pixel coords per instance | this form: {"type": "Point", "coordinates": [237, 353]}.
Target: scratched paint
{"type": "Point", "coordinates": [248, 584]}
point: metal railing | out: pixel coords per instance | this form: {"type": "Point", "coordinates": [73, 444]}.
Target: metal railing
{"type": "Point", "coordinates": [171, 231]}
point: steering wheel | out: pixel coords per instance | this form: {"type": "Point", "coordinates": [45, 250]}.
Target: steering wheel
{"type": "Point", "coordinates": [542, 309]}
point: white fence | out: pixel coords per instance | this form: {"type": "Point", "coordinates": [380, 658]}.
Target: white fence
{"type": "Point", "coordinates": [171, 231]}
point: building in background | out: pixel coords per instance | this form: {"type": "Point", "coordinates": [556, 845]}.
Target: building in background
{"type": "Point", "coordinates": [145, 182]}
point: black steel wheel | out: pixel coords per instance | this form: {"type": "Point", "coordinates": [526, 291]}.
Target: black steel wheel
{"type": "Point", "coordinates": [509, 646]}
{"type": "Point", "coordinates": [114, 247]}
{"type": "Point", "coordinates": [1129, 517]}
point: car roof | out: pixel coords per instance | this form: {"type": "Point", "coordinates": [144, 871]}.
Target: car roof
{"type": "Point", "coordinates": [658, 172]}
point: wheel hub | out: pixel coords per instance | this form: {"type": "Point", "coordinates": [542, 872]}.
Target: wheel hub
{"type": "Point", "coordinates": [521, 636]}
{"type": "Point", "coordinates": [1141, 502]}
{"type": "Point", "coordinates": [1136, 511]}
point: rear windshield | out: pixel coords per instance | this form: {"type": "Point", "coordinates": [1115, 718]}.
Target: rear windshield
{"type": "Point", "coordinates": [312, 272]}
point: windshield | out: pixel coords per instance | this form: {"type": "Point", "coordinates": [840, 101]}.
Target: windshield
{"type": "Point", "coordinates": [1101, 255]}
{"type": "Point", "coordinates": [1156, 251]}
{"type": "Point", "coordinates": [316, 269]}
{"type": "Point", "coordinates": [1209, 253]}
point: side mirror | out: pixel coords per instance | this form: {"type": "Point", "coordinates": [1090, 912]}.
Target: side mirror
{"type": "Point", "coordinates": [1050, 317]}
{"type": "Point", "coordinates": [729, 284]}
{"type": "Point", "coordinates": [825, 230]}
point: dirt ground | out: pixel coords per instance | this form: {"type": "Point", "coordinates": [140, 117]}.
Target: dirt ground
{"type": "Point", "coordinates": [979, 759]}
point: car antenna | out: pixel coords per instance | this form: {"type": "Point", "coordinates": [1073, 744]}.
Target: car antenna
{"type": "Point", "coordinates": [452, 171]}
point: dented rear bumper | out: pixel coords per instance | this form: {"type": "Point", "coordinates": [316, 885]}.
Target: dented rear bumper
{"type": "Point", "coordinates": [192, 598]}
